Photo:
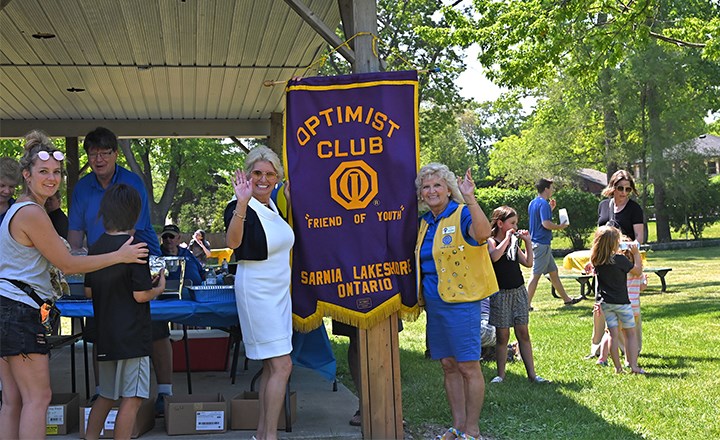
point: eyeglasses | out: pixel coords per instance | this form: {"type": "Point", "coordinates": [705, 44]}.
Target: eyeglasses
{"type": "Point", "coordinates": [626, 189]}
{"type": "Point", "coordinates": [45, 155]}
{"type": "Point", "coordinates": [100, 154]}
{"type": "Point", "coordinates": [269, 174]}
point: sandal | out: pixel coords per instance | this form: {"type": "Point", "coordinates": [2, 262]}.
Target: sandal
{"type": "Point", "coordinates": [573, 301]}
{"type": "Point", "coordinates": [356, 419]}
{"type": "Point", "coordinates": [640, 371]}
{"type": "Point", "coordinates": [452, 431]}
{"type": "Point", "coordinates": [469, 437]}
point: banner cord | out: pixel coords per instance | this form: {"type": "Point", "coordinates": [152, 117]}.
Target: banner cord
{"type": "Point", "coordinates": [323, 58]}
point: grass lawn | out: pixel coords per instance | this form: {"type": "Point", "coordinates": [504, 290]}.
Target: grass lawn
{"type": "Point", "coordinates": [678, 398]}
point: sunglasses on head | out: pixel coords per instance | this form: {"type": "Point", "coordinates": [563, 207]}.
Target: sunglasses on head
{"type": "Point", "coordinates": [45, 155]}
{"type": "Point", "coordinates": [624, 188]}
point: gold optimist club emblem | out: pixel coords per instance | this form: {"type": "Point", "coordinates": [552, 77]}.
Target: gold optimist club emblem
{"type": "Point", "coordinates": [353, 184]}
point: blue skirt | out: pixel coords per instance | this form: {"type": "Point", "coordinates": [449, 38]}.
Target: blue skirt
{"type": "Point", "coordinates": [453, 329]}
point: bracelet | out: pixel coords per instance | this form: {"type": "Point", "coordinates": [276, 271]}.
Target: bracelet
{"type": "Point", "coordinates": [236, 214]}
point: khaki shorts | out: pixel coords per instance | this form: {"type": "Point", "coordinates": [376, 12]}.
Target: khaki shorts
{"type": "Point", "coordinates": [125, 378]}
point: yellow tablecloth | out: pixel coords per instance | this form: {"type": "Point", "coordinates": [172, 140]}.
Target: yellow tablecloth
{"type": "Point", "coordinates": [579, 259]}
{"type": "Point", "coordinates": [221, 254]}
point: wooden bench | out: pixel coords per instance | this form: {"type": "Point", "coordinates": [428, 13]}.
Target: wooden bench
{"type": "Point", "coordinates": [661, 272]}
{"type": "Point", "coordinates": [585, 281]}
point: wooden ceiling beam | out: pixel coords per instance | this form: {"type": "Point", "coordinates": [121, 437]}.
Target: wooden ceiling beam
{"type": "Point", "coordinates": [321, 28]}
{"type": "Point", "coordinates": [193, 128]}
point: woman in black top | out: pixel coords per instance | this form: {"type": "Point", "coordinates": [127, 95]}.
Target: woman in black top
{"type": "Point", "coordinates": [619, 210]}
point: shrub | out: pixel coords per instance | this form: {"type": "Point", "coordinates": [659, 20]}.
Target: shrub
{"type": "Point", "coordinates": [583, 212]}
{"type": "Point", "coordinates": [491, 198]}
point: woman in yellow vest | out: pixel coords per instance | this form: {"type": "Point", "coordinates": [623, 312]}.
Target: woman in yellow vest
{"type": "Point", "coordinates": [455, 273]}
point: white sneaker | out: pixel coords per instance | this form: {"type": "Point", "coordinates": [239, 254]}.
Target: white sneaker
{"type": "Point", "coordinates": [540, 379]}
{"type": "Point", "coordinates": [497, 379]}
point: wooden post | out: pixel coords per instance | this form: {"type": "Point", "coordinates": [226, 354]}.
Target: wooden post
{"type": "Point", "coordinates": [379, 352]}
{"type": "Point", "coordinates": [72, 166]}
{"type": "Point", "coordinates": [275, 140]}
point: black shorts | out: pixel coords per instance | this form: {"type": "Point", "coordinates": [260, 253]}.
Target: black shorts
{"type": "Point", "coordinates": [160, 330]}
{"type": "Point", "coordinates": [342, 329]}
{"type": "Point", "coordinates": [21, 332]}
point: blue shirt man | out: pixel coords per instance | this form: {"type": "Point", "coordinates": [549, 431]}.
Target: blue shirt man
{"type": "Point", "coordinates": [541, 227]}
{"type": "Point", "coordinates": [88, 192]}
{"type": "Point", "coordinates": [101, 147]}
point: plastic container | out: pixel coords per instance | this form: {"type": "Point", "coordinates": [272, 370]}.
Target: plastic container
{"type": "Point", "coordinates": [214, 293]}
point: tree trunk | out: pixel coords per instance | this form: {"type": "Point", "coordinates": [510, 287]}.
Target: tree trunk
{"type": "Point", "coordinates": [658, 166]}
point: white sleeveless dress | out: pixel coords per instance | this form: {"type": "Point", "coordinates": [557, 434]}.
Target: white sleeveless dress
{"type": "Point", "coordinates": [262, 290]}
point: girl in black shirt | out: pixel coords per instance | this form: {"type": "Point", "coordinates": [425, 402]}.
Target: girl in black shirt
{"type": "Point", "coordinates": [611, 269]}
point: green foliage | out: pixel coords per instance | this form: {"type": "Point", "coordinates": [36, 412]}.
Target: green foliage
{"type": "Point", "coordinates": [11, 148]}
{"type": "Point", "coordinates": [518, 199]}
{"type": "Point", "coordinates": [582, 209]}
{"type": "Point", "coordinates": [676, 399]}
{"type": "Point", "coordinates": [581, 206]}
{"type": "Point", "coordinates": [186, 175]}
{"type": "Point", "coordinates": [693, 200]}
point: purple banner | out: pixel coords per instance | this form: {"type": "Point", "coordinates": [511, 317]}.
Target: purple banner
{"type": "Point", "coordinates": [351, 158]}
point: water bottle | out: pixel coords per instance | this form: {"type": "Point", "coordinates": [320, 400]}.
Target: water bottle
{"type": "Point", "coordinates": [211, 280]}
{"type": "Point", "coordinates": [224, 266]}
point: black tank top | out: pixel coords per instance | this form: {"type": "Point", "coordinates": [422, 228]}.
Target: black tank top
{"type": "Point", "coordinates": [508, 273]}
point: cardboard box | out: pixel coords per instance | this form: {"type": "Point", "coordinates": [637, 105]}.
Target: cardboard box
{"type": "Point", "coordinates": [195, 414]}
{"type": "Point", "coordinates": [209, 350]}
{"type": "Point", "coordinates": [144, 422]}
{"type": "Point", "coordinates": [62, 414]}
{"type": "Point", "coordinates": [245, 410]}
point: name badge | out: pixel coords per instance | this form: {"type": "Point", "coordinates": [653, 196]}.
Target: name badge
{"type": "Point", "coordinates": [448, 230]}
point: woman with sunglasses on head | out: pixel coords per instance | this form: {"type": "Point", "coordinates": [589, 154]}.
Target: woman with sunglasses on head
{"type": "Point", "coordinates": [619, 210]}
{"type": "Point", "coordinates": [30, 245]}
{"type": "Point", "coordinates": [262, 241]}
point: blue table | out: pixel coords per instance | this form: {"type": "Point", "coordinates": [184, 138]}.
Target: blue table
{"type": "Point", "coordinates": [310, 350]}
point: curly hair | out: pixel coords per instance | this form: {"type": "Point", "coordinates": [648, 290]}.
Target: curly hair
{"type": "Point", "coordinates": [263, 154]}
{"type": "Point", "coordinates": [442, 172]}
{"type": "Point", "coordinates": [617, 176]}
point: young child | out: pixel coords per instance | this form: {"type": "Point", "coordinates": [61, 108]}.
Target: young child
{"type": "Point", "coordinates": [635, 284]}
{"type": "Point", "coordinates": [120, 296]}
{"type": "Point", "coordinates": [611, 269]}
{"type": "Point", "coordinates": [510, 306]}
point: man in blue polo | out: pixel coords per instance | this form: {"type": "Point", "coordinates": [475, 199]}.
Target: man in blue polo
{"type": "Point", "coordinates": [541, 227]}
{"type": "Point", "coordinates": [101, 147]}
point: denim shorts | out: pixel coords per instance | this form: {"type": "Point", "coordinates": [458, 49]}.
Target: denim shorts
{"type": "Point", "coordinates": [618, 312]}
{"type": "Point", "coordinates": [21, 332]}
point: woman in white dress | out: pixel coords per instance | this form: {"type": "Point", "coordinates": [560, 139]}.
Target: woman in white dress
{"type": "Point", "coordinates": [262, 241]}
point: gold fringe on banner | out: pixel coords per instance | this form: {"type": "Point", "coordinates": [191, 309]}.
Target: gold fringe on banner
{"type": "Point", "coordinates": [356, 319]}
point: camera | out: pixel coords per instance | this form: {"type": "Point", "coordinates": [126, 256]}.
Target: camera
{"type": "Point", "coordinates": [627, 245]}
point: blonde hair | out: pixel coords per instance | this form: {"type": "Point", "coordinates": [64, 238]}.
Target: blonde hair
{"type": "Point", "coordinates": [10, 171]}
{"type": "Point", "coordinates": [502, 213]}
{"type": "Point", "coordinates": [263, 154]}
{"type": "Point", "coordinates": [605, 245]}
{"type": "Point", "coordinates": [443, 172]}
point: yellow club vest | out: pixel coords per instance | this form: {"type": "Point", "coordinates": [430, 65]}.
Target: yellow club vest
{"type": "Point", "coordinates": [465, 272]}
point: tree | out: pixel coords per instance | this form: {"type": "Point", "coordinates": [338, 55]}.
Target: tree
{"type": "Point", "coordinates": [402, 48]}
{"type": "Point", "coordinates": [693, 199]}
{"type": "Point", "coordinates": [184, 172]}
{"type": "Point", "coordinates": [526, 44]}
